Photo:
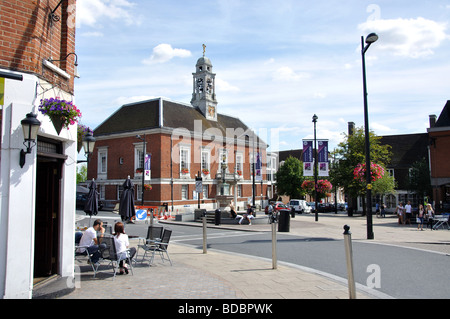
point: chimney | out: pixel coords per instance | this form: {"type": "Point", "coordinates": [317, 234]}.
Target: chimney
{"type": "Point", "coordinates": [432, 121]}
{"type": "Point", "coordinates": [351, 128]}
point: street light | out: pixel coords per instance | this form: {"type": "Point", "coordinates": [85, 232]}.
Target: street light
{"type": "Point", "coordinates": [371, 38]}
{"type": "Point", "coordinates": [30, 127]}
{"type": "Point", "coordinates": [316, 208]}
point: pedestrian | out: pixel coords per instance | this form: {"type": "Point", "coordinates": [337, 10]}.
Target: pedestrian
{"type": "Point", "coordinates": [122, 247]}
{"type": "Point", "coordinates": [383, 210]}
{"type": "Point", "coordinates": [420, 216]}
{"type": "Point", "coordinates": [92, 242]}
{"type": "Point", "coordinates": [408, 213]}
{"type": "Point", "coordinates": [429, 216]}
{"type": "Point", "coordinates": [377, 209]}
{"type": "Point", "coordinates": [400, 210]}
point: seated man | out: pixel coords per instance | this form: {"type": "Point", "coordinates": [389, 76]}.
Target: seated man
{"type": "Point", "coordinates": [91, 240]}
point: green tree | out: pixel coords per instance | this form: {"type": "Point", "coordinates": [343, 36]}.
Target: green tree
{"type": "Point", "coordinates": [81, 173]}
{"type": "Point", "coordinates": [419, 180]}
{"type": "Point", "coordinates": [350, 153]}
{"type": "Point", "coordinates": [290, 178]}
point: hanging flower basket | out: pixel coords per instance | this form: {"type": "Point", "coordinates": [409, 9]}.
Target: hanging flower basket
{"type": "Point", "coordinates": [147, 187]}
{"type": "Point", "coordinates": [376, 172]}
{"type": "Point", "coordinates": [61, 112]}
{"type": "Point", "coordinates": [324, 188]}
{"type": "Point", "coordinates": [81, 133]}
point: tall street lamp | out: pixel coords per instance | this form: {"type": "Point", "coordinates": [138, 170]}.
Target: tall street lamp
{"type": "Point", "coordinates": [316, 207]}
{"type": "Point", "coordinates": [371, 38]}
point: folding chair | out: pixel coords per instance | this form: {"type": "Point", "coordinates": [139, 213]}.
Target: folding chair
{"type": "Point", "coordinates": [161, 247]}
{"type": "Point", "coordinates": [110, 253]}
{"type": "Point", "coordinates": [154, 233]}
{"type": "Point", "coordinates": [81, 251]}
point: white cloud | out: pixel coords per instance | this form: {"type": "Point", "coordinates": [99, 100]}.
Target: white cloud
{"type": "Point", "coordinates": [164, 52]}
{"type": "Point", "coordinates": [224, 86]}
{"type": "Point", "coordinates": [413, 38]}
{"type": "Point", "coordinates": [89, 12]}
{"type": "Point", "coordinates": [286, 74]}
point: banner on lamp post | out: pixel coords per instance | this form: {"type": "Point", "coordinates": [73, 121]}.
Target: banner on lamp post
{"type": "Point", "coordinates": [322, 155]}
{"type": "Point", "coordinates": [147, 167]}
{"type": "Point", "coordinates": [308, 158]}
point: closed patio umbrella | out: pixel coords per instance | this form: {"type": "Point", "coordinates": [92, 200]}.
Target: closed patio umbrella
{"type": "Point", "coordinates": [126, 205]}
{"type": "Point", "coordinates": [91, 206]}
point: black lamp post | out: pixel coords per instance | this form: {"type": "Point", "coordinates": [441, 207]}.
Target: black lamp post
{"type": "Point", "coordinates": [316, 208]}
{"type": "Point", "coordinates": [30, 126]}
{"type": "Point", "coordinates": [371, 38]}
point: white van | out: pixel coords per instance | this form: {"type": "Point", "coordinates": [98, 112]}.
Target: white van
{"type": "Point", "coordinates": [300, 206]}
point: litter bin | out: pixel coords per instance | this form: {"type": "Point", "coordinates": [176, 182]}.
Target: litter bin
{"type": "Point", "coordinates": [284, 222]}
{"type": "Point", "coordinates": [217, 217]}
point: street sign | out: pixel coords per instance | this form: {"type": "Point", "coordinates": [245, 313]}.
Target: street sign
{"type": "Point", "coordinates": [198, 185]}
{"type": "Point", "coordinates": [141, 214]}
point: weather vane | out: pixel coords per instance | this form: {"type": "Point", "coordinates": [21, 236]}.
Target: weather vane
{"type": "Point", "coordinates": [204, 49]}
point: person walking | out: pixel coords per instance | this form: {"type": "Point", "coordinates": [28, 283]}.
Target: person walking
{"type": "Point", "coordinates": [400, 210]}
{"type": "Point", "coordinates": [429, 216]}
{"type": "Point", "coordinates": [408, 213]}
{"type": "Point", "coordinates": [420, 216]}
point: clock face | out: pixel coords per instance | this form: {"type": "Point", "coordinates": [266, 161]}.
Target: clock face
{"type": "Point", "coordinates": [211, 111]}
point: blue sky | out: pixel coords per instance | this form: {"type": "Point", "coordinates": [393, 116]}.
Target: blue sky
{"type": "Point", "coordinates": [277, 62]}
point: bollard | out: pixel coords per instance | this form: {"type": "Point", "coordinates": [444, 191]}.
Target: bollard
{"type": "Point", "coordinates": [204, 235]}
{"type": "Point", "coordinates": [349, 256]}
{"type": "Point", "coordinates": [274, 240]}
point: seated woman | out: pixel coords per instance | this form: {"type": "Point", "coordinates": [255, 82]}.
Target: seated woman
{"type": "Point", "coordinates": [122, 244]}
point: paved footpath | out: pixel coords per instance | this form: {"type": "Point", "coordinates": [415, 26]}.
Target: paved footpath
{"type": "Point", "coordinates": [221, 275]}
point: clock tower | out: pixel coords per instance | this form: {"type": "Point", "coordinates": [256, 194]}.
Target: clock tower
{"type": "Point", "coordinates": [204, 91]}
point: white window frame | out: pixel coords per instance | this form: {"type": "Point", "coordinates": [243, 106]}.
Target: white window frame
{"type": "Point", "coordinates": [102, 167]}
{"type": "Point", "coordinates": [184, 192]}
{"type": "Point", "coordinates": [187, 165]}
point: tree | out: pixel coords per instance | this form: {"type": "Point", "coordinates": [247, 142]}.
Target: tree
{"type": "Point", "coordinates": [290, 178]}
{"type": "Point", "coordinates": [419, 180]}
{"type": "Point", "coordinates": [351, 153]}
{"type": "Point", "coordinates": [81, 174]}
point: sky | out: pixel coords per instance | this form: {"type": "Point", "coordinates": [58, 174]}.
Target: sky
{"type": "Point", "coordinates": [277, 63]}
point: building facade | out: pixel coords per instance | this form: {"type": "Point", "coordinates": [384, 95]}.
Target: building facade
{"type": "Point", "coordinates": [439, 148]}
{"type": "Point", "coordinates": [179, 143]}
{"type": "Point", "coordinates": [37, 203]}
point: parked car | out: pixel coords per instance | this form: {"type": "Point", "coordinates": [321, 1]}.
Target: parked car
{"type": "Point", "coordinates": [277, 206]}
{"type": "Point", "coordinates": [300, 206]}
{"type": "Point", "coordinates": [81, 198]}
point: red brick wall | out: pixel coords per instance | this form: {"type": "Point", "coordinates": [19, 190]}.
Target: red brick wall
{"type": "Point", "coordinates": [440, 154]}
{"type": "Point", "coordinates": [159, 145]}
{"type": "Point", "coordinates": [27, 37]}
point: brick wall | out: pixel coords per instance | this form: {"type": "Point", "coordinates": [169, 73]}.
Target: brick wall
{"type": "Point", "coordinates": [28, 36]}
{"type": "Point", "coordinates": [159, 146]}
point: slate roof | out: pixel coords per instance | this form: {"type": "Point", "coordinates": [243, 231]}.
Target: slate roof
{"type": "Point", "coordinates": [444, 118]}
{"type": "Point", "coordinates": [406, 149]}
{"type": "Point", "coordinates": [147, 115]}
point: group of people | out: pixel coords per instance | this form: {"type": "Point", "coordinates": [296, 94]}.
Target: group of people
{"type": "Point", "coordinates": [404, 214]}
{"type": "Point", "coordinates": [249, 215]}
{"type": "Point", "coordinates": [92, 239]}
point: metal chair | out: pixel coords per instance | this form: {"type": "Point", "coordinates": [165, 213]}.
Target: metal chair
{"type": "Point", "coordinates": [161, 247]}
{"type": "Point", "coordinates": [154, 234]}
{"type": "Point", "coordinates": [110, 253]}
{"type": "Point", "coordinates": [82, 252]}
